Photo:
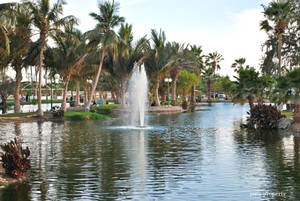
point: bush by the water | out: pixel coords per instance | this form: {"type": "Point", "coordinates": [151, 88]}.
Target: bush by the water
{"type": "Point", "coordinates": [15, 160]}
{"type": "Point", "coordinates": [104, 109]}
{"type": "Point", "coordinates": [83, 115]}
{"type": "Point", "coordinates": [264, 117]}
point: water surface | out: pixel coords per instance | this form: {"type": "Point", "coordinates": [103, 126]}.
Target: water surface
{"type": "Point", "coordinates": [187, 156]}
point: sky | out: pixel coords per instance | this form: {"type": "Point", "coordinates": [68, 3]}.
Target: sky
{"type": "Point", "coordinates": [230, 27]}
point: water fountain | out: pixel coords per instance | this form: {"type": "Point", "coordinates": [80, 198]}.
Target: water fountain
{"type": "Point", "coordinates": [138, 96]}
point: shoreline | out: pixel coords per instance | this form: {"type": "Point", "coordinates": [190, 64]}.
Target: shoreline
{"type": "Point", "coordinates": [6, 180]}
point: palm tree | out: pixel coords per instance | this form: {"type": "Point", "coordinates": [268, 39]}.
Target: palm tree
{"type": "Point", "coordinates": [69, 55]}
{"type": "Point", "coordinates": [238, 64]}
{"type": "Point", "coordinates": [157, 59]}
{"type": "Point", "coordinates": [103, 34]}
{"type": "Point", "coordinates": [208, 76]}
{"type": "Point", "coordinates": [5, 13]}
{"type": "Point", "coordinates": [46, 19]}
{"type": "Point", "coordinates": [198, 66]}
{"type": "Point", "coordinates": [278, 13]}
{"type": "Point", "coordinates": [247, 86]}
{"type": "Point", "coordinates": [19, 33]}
{"type": "Point", "coordinates": [212, 61]}
{"type": "Point", "coordinates": [125, 56]}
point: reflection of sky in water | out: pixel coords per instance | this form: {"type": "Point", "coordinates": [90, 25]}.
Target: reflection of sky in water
{"type": "Point", "coordinates": [189, 156]}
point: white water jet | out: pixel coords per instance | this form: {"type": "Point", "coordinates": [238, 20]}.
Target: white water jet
{"type": "Point", "coordinates": [138, 96]}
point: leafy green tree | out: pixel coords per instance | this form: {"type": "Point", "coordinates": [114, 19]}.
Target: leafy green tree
{"type": "Point", "coordinates": [289, 86]}
{"type": "Point", "coordinates": [47, 19]}
{"type": "Point", "coordinates": [6, 89]}
{"type": "Point", "coordinates": [103, 34]}
{"type": "Point", "coordinates": [278, 13]}
{"type": "Point", "coordinates": [186, 80]}
{"type": "Point", "coordinates": [225, 85]}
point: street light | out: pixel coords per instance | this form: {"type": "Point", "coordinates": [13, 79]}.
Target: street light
{"type": "Point", "coordinates": [168, 80]}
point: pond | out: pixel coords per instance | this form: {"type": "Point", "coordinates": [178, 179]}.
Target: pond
{"type": "Point", "coordinates": [203, 155]}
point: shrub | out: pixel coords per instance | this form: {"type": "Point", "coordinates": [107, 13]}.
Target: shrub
{"type": "Point", "coordinates": [57, 112]}
{"type": "Point", "coordinates": [83, 116]}
{"type": "Point", "coordinates": [15, 159]}
{"type": "Point", "coordinates": [104, 109]}
{"type": "Point", "coordinates": [264, 117]}
{"type": "Point", "coordinates": [184, 104]}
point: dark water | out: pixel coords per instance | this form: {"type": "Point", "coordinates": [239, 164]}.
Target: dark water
{"type": "Point", "coordinates": [190, 156]}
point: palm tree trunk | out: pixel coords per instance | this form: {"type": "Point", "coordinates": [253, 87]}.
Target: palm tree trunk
{"type": "Point", "coordinates": [297, 114]}
{"type": "Point", "coordinates": [96, 79]}
{"type": "Point", "coordinates": [156, 87]}
{"type": "Point", "coordinates": [209, 90]}
{"type": "Point", "coordinates": [64, 103]}
{"type": "Point", "coordinates": [85, 93]}
{"type": "Point", "coordinates": [17, 107]}
{"type": "Point", "coordinates": [123, 94]}
{"type": "Point", "coordinates": [279, 53]}
{"type": "Point", "coordinates": [214, 89]}
{"type": "Point", "coordinates": [77, 102]}
{"type": "Point", "coordinates": [193, 96]}
{"type": "Point", "coordinates": [68, 77]}
{"type": "Point", "coordinates": [250, 100]}
{"type": "Point", "coordinates": [40, 110]}
{"type": "Point", "coordinates": [46, 83]}
{"type": "Point", "coordinates": [163, 94]}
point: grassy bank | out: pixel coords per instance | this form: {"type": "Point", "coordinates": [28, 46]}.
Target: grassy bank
{"type": "Point", "coordinates": [288, 114]}
{"type": "Point", "coordinates": [104, 109]}
{"type": "Point", "coordinates": [70, 115]}
{"type": "Point", "coordinates": [18, 114]}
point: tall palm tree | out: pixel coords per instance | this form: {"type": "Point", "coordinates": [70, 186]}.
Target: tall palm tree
{"type": "Point", "coordinates": [180, 59]}
{"type": "Point", "coordinates": [198, 59]}
{"type": "Point", "coordinates": [238, 64]}
{"type": "Point", "coordinates": [19, 33]}
{"type": "Point", "coordinates": [69, 55]}
{"type": "Point", "coordinates": [278, 13]}
{"type": "Point", "coordinates": [103, 34]}
{"type": "Point", "coordinates": [158, 58]}
{"type": "Point", "coordinates": [212, 61]}
{"type": "Point", "coordinates": [47, 19]}
{"type": "Point", "coordinates": [125, 56]}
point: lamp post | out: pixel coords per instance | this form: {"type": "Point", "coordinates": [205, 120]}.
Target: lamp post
{"type": "Point", "coordinates": [168, 80]}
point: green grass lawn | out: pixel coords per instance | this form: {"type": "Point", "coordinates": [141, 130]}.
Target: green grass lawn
{"type": "Point", "coordinates": [71, 115]}
{"type": "Point", "coordinates": [288, 114]}
{"type": "Point", "coordinates": [104, 109]}
{"type": "Point", "coordinates": [10, 102]}
{"type": "Point", "coordinates": [18, 114]}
